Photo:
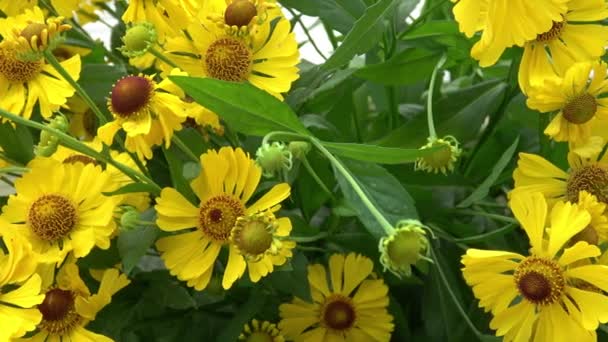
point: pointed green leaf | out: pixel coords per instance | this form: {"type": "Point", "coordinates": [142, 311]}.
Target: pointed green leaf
{"type": "Point", "coordinates": [244, 107]}
{"type": "Point", "coordinates": [377, 154]}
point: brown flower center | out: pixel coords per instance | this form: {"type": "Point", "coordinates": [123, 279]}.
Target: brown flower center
{"type": "Point", "coordinates": [79, 158]}
{"type": "Point", "coordinates": [540, 281]}
{"type": "Point", "coordinates": [228, 59]}
{"type": "Point", "coordinates": [580, 109]}
{"type": "Point", "coordinates": [130, 95]}
{"type": "Point", "coordinates": [338, 313]}
{"type": "Point", "coordinates": [52, 217]}
{"type": "Point", "coordinates": [555, 31]}
{"type": "Point", "coordinates": [591, 178]}
{"type": "Point", "coordinates": [58, 313]}
{"type": "Point", "coordinates": [15, 70]}
{"type": "Point", "coordinates": [239, 13]}
{"type": "Point", "coordinates": [218, 215]}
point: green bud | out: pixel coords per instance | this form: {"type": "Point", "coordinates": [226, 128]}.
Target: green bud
{"type": "Point", "coordinates": [138, 39]}
{"type": "Point", "coordinates": [129, 219]}
{"type": "Point", "coordinates": [274, 158]}
{"type": "Point", "coordinates": [404, 247]}
{"type": "Point", "coordinates": [48, 142]}
{"type": "Point", "coordinates": [299, 149]}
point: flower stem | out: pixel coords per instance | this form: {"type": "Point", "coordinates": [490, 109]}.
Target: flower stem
{"type": "Point", "coordinates": [77, 145]}
{"type": "Point", "coordinates": [87, 99]}
{"type": "Point", "coordinates": [488, 215]}
{"type": "Point", "coordinates": [162, 57]}
{"type": "Point", "coordinates": [182, 146]}
{"type": "Point", "coordinates": [429, 98]}
{"type": "Point", "coordinates": [316, 177]}
{"type": "Point", "coordinates": [305, 239]}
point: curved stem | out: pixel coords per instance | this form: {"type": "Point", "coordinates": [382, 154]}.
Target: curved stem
{"type": "Point", "coordinates": [481, 237]}
{"type": "Point", "coordinates": [429, 98]}
{"type": "Point", "coordinates": [162, 57]}
{"type": "Point", "coordinates": [304, 239]}
{"type": "Point", "coordinates": [388, 228]}
{"type": "Point", "coordinates": [316, 177]}
{"type": "Point", "coordinates": [182, 146]}
{"type": "Point", "coordinates": [87, 99]}
{"type": "Point", "coordinates": [78, 146]}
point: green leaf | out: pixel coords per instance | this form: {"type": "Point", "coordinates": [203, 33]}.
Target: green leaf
{"type": "Point", "coordinates": [433, 28]}
{"type": "Point", "coordinates": [244, 314]}
{"type": "Point", "coordinates": [97, 80]}
{"type": "Point", "coordinates": [383, 190]}
{"type": "Point", "coordinates": [131, 188]}
{"type": "Point", "coordinates": [133, 244]}
{"type": "Point", "coordinates": [408, 67]}
{"type": "Point", "coordinates": [364, 35]}
{"type": "Point", "coordinates": [17, 142]}
{"type": "Point", "coordinates": [176, 169]}
{"type": "Point", "coordinates": [244, 107]}
{"type": "Point", "coordinates": [484, 188]}
{"type": "Point", "coordinates": [377, 154]}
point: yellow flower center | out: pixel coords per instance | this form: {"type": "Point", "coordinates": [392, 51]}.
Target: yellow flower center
{"type": "Point", "coordinates": [591, 178]}
{"type": "Point", "coordinates": [51, 217]}
{"type": "Point", "coordinates": [580, 109]}
{"type": "Point", "coordinates": [79, 158]}
{"type": "Point", "coordinates": [555, 31]}
{"type": "Point", "coordinates": [253, 235]}
{"type": "Point", "coordinates": [239, 13]}
{"type": "Point", "coordinates": [589, 235]}
{"type": "Point", "coordinates": [218, 215]}
{"type": "Point", "coordinates": [58, 313]}
{"type": "Point", "coordinates": [338, 313]}
{"type": "Point", "coordinates": [259, 336]}
{"type": "Point", "coordinates": [130, 95]}
{"type": "Point", "coordinates": [228, 59]}
{"type": "Point", "coordinates": [540, 281]}
{"type": "Point", "coordinates": [441, 157]}
{"type": "Point", "coordinates": [34, 29]}
{"type": "Point", "coordinates": [15, 70]}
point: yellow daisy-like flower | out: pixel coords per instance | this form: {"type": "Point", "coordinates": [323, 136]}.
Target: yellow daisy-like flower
{"type": "Point", "coordinates": [226, 183]}
{"type": "Point", "coordinates": [597, 230]}
{"type": "Point", "coordinates": [240, 17]}
{"type": "Point", "coordinates": [267, 59]}
{"type": "Point", "coordinates": [532, 297]}
{"type": "Point", "coordinates": [349, 306]}
{"type": "Point", "coordinates": [261, 331]}
{"type": "Point", "coordinates": [536, 174]}
{"type": "Point", "coordinates": [147, 111]}
{"type": "Point", "coordinates": [262, 242]}
{"type": "Point", "coordinates": [69, 306]}
{"type": "Point", "coordinates": [167, 16]}
{"type": "Point", "coordinates": [578, 98]}
{"type": "Point", "coordinates": [139, 200]}
{"type": "Point", "coordinates": [25, 83]}
{"type": "Point", "coordinates": [19, 287]}
{"type": "Point", "coordinates": [12, 8]}
{"type": "Point", "coordinates": [505, 23]}
{"type": "Point", "coordinates": [571, 39]}
{"type": "Point", "coordinates": [60, 208]}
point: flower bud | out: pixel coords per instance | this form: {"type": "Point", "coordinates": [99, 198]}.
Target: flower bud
{"type": "Point", "coordinates": [404, 247]}
{"type": "Point", "coordinates": [48, 141]}
{"type": "Point", "coordinates": [138, 39]}
{"type": "Point", "coordinates": [443, 159]}
{"type": "Point", "coordinates": [274, 158]}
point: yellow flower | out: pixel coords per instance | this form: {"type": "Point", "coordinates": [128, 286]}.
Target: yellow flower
{"type": "Point", "coordinates": [167, 16]}
{"type": "Point", "coordinates": [262, 242]}
{"type": "Point", "coordinates": [505, 23]}
{"type": "Point", "coordinates": [570, 40]}
{"type": "Point", "coordinates": [536, 174]}
{"type": "Point", "coordinates": [25, 83]}
{"type": "Point", "coordinates": [19, 287]}
{"type": "Point", "coordinates": [578, 98]}
{"type": "Point", "coordinates": [147, 111]}
{"type": "Point", "coordinates": [139, 200]}
{"type": "Point", "coordinates": [267, 59]}
{"type": "Point", "coordinates": [226, 183]}
{"type": "Point", "coordinates": [261, 331]}
{"type": "Point", "coordinates": [12, 8]}
{"type": "Point", "coordinates": [60, 208]}
{"type": "Point", "coordinates": [240, 17]}
{"type": "Point", "coordinates": [532, 297]}
{"type": "Point", "coordinates": [349, 306]}
{"type": "Point", "coordinates": [69, 306]}
{"type": "Point", "coordinates": [597, 230]}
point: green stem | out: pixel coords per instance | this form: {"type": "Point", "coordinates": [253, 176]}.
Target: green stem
{"type": "Point", "coordinates": [421, 17]}
{"type": "Point", "coordinates": [182, 146]}
{"type": "Point", "coordinates": [331, 36]}
{"type": "Point", "coordinates": [388, 228]}
{"type": "Point", "coordinates": [316, 177]}
{"type": "Point", "coordinates": [305, 239]}
{"type": "Point", "coordinates": [162, 57]}
{"type": "Point", "coordinates": [310, 39]}
{"type": "Point", "coordinates": [87, 99]}
{"type": "Point", "coordinates": [429, 98]}
{"type": "Point", "coordinates": [481, 237]}
{"type": "Point", "coordinates": [488, 215]}
{"type": "Point", "coordinates": [447, 286]}
{"type": "Point", "coordinates": [393, 106]}
{"type": "Point", "coordinates": [78, 146]}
